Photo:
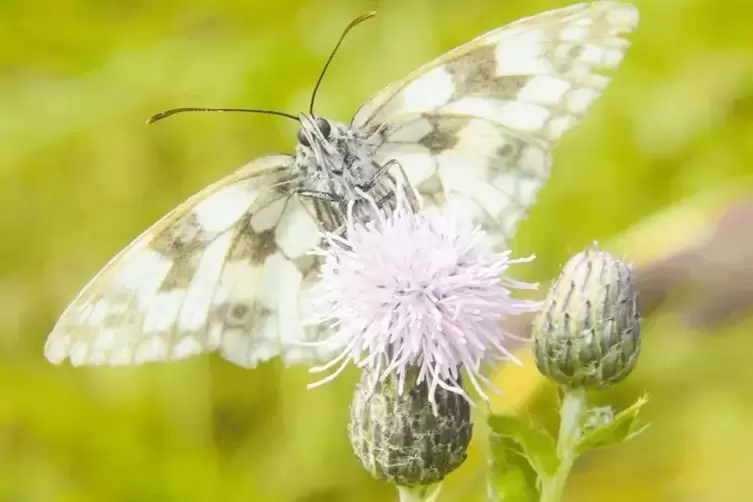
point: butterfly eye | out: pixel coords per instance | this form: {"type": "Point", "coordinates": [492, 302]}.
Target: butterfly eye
{"type": "Point", "coordinates": [324, 127]}
{"type": "Point", "coordinates": [302, 139]}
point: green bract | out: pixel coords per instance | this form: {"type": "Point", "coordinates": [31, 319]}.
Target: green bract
{"type": "Point", "coordinates": [588, 333]}
{"type": "Point", "coordinates": [399, 437]}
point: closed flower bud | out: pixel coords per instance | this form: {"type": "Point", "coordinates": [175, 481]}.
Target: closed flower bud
{"type": "Point", "coordinates": [588, 333]}
{"type": "Point", "coordinates": [400, 437]}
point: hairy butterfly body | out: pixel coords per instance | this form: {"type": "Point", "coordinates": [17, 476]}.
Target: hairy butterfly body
{"type": "Point", "coordinates": [230, 269]}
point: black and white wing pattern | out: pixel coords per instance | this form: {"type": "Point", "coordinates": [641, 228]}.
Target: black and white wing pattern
{"type": "Point", "coordinates": [225, 271]}
{"type": "Point", "coordinates": [474, 128]}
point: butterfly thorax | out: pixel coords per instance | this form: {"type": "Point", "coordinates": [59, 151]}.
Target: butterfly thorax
{"type": "Point", "coordinates": [335, 165]}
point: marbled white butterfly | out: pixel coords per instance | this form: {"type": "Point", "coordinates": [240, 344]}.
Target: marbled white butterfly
{"type": "Point", "coordinates": [229, 270]}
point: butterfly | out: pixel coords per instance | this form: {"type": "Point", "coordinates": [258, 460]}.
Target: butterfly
{"type": "Point", "coordinates": [230, 269]}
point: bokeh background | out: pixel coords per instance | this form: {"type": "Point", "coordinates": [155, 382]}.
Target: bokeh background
{"type": "Point", "coordinates": [661, 157]}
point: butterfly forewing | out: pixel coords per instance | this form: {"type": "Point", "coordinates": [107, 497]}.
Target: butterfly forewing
{"type": "Point", "coordinates": [223, 271]}
{"type": "Point", "coordinates": [473, 129]}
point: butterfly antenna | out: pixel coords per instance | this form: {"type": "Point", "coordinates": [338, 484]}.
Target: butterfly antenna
{"type": "Point", "coordinates": [168, 113]}
{"type": "Point", "coordinates": [356, 21]}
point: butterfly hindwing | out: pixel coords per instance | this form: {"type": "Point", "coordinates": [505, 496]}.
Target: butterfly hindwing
{"type": "Point", "coordinates": [222, 272]}
{"type": "Point", "coordinates": [473, 129]}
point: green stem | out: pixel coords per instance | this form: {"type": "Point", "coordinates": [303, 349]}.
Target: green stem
{"type": "Point", "coordinates": [573, 407]}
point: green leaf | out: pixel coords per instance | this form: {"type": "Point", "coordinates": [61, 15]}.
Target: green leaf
{"type": "Point", "coordinates": [537, 445]}
{"type": "Point", "coordinates": [600, 429]}
{"type": "Point", "coordinates": [513, 478]}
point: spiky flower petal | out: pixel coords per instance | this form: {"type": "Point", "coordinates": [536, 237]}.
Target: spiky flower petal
{"type": "Point", "coordinates": [417, 290]}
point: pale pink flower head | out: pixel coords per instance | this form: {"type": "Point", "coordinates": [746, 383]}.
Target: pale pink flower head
{"type": "Point", "coordinates": [417, 289]}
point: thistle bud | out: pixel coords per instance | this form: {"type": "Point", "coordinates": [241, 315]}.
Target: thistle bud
{"type": "Point", "coordinates": [401, 436]}
{"type": "Point", "coordinates": [588, 333]}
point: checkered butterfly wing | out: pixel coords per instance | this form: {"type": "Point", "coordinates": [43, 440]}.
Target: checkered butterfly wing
{"type": "Point", "coordinates": [225, 271]}
{"type": "Point", "coordinates": [473, 129]}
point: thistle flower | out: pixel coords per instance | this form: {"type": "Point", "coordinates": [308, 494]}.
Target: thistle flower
{"type": "Point", "coordinates": [588, 333]}
{"type": "Point", "coordinates": [417, 290]}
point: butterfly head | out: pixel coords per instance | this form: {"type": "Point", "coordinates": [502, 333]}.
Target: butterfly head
{"type": "Point", "coordinates": [313, 131]}
{"type": "Point", "coordinates": [319, 143]}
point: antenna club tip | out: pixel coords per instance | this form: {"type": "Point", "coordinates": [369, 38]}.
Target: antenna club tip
{"type": "Point", "coordinates": [363, 17]}
{"type": "Point", "coordinates": [155, 118]}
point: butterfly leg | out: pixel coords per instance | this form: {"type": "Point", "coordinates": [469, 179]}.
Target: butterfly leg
{"type": "Point", "coordinates": [331, 212]}
{"type": "Point", "coordinates": [314, 194]}
{"type": "Point", "coordinates": [384, 170]}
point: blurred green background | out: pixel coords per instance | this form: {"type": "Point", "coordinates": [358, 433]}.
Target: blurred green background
{"type": "Point", "coordinates": [80, 175]}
